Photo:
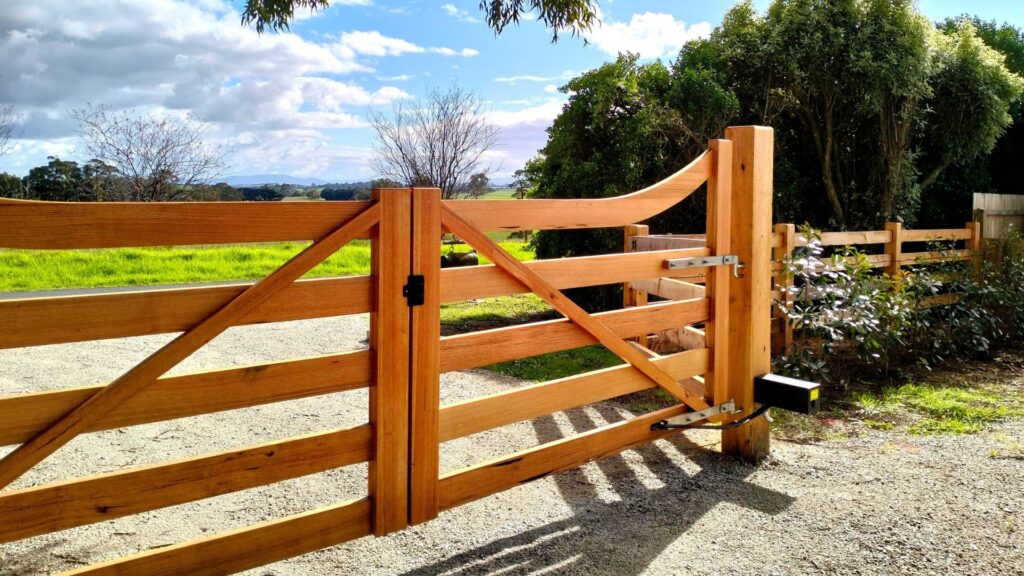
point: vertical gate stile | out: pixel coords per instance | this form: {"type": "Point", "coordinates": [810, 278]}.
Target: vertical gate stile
{"type": "Point", "coordinates": [389, 337]}
{"type": "Point", "coordinates": [426, 357]}
{"type": "Point", "coordinates": [750, 295]}
{"type": "Point", "coordinates": [719, 213]}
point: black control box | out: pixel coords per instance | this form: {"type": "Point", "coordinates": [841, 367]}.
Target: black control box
{"type": "Point", "coordinates": [787, 393]}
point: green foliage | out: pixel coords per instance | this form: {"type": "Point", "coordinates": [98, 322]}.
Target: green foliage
{"type": "Point", "coordinates": [850, 320]}
{"type": "Point", "coordinates": [58, 180]}
{"type": "Point", "coordinates": [996, 171]}
{"type": "Point", "coordinates": [11, 186]}
{"type": "Point", "coordinates": [576, 16]}
{"type": "Point", "coordinates": [841, 311]}
{"type": "Point", "coordinates": [866, 96]}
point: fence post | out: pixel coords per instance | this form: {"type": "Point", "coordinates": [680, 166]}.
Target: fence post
{"type": "Point", "coordinates": [976, 245]}
{"type": "Point", "coordinates": [631, 296]}
{"type": "Point", "coordinates": [750, 295]}
{"type": "Point", "coordinates": [787, 234]}
{"type": "Point", "coordinates": [389, 341]}
{"type": "Point", "coordinates": [894, 249]}
{"type": "Point", "coordinates": [426, 356]}
{"type": "Point", "coordinates": [716, 287]}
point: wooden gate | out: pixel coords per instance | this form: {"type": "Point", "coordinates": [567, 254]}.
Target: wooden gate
{"type": "Point", "coordinates": [406, 425]}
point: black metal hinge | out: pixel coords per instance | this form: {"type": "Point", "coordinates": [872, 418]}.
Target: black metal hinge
{"type": "Point", "coordinates": [413, 291]}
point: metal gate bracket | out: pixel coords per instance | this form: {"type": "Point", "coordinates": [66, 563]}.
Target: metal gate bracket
{"type": "Point", "coordinates": [727, 260]}
{"type": "Point", "coordinates": [684, 420]}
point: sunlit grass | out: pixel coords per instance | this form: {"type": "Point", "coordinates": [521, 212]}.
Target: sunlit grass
{"type": "Point", "coordinates": [30, 270]}
{"type": "Point", "coordinates": [942, 409]}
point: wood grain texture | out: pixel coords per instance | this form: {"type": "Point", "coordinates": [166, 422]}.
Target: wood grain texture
{"type": "Point", "coordinates": [719, 219]}
{"type": "Point", "coordinates": [491, 215]}
{"type": "Point", "coordinates": [630, 295]}
{"type": "Point", "coordinates": [479, 414]}
{"type": "Point", "coordinates": [911, 258]}
{"type": "Point", "coordinates": [25, 415]}
{"type": "Point", "coordinates": [246, 548]}
{"type": "Point", "coordinates": [784, 250]}
{"type": "Point", "coordinates": [82, 501]}
{"type": "Point", "coordinates": [749, 296]}
{"type": "Point", "coordinates": [68, 225]}
{"type": "Point", "coordinates": [485, 347]}
{"type": "Point", "coordinates": [937, 234]}
{"type": "Point", "coordinates": [670, 288]}
{"type": "Point", "coordinates": [525, 466]}
{"type": "Point", "coordinates": [426, 358]}
{"type": "Point", "coordinates": [455, 224]}
{"type": "Point", "coordinates": [389, 339]}
{"type": "Point", "coordinates": [56, 320]}
{"type": "Point", "coordinates": [489, 281]}
{"type": "Point", "coordinates": [145, 373]}
{"type": "Point", "coordinates": [62, 319]}
{"type": "Point", "coordinates": [894, 250]}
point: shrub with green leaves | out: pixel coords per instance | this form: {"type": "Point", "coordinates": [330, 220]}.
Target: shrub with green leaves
{"type": "Point", "coordinates": [851, 320]}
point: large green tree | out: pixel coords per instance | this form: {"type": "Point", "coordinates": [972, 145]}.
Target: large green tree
{"type": "Point", "coordinates": [58, 180]}
{"type": "Point", "coordinates": [574, 16]}
{"type": "Point", "coordinates": [868, 96]}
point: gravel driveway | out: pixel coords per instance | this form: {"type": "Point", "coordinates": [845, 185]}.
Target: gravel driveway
{"type": "Point", "coordinates": [877, 503]}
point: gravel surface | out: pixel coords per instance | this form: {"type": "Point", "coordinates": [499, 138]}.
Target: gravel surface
{"type": "Point", "coordinates": [876, 503]}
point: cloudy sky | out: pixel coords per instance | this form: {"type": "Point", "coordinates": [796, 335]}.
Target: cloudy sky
{"type": "Point", "coordinates": [295, 103]}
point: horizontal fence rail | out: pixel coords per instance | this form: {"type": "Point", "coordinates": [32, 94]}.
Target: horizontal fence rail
{"type": "Point", "coordinates": [785, 239]}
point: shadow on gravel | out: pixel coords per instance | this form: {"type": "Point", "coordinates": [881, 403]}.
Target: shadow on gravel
{"type": "Point", "coordinates": [625, 535]}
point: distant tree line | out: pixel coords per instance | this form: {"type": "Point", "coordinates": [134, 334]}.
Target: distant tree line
{"type": "Point", "coordinates": [67, 181]}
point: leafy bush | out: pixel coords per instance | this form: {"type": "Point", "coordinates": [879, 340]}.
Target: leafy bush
{"type": "Point", "coordinates": [849, 319]}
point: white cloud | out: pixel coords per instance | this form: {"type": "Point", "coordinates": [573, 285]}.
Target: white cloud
{"type": "Point", "coordinates": [650, 34]}
{"type": "Point", "coordinates": [523, 132]}
{"type": "Point", "coordinates": [373, 43]}
{"type": "Point", "coordinates": [512, 80]}
{"type": "Point", "coordinates": [462, 15]}
{"type": "Point", "coordinates": [174, 56]}
{"type": "Point", "coordinates": [551, 88]}
{"type": "Point", "coordinates": [466, 52]}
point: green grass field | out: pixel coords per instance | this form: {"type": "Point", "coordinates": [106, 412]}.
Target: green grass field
{"type": "Point", "coordinates": [502, 194]}
{"type": "Point", "coordinates": [29, 270]}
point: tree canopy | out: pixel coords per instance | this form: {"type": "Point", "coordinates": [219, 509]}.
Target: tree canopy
{"type": "Point", "coordinates": [875, 109]}
{"type": "Point", "coordinates": [573, 16]}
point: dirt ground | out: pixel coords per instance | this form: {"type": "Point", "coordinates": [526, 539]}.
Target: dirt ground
{"type": "Point", "coordinates": [865, 502]}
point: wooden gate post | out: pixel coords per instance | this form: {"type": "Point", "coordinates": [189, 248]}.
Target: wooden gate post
{"type": "Point", "coordinates": [389, 341]}
{"type": "Point", "coordinates": [750, 295]}
{"type": "Point", "coordinates": [783, 338]}
{"type": "Point", "coordinates": [426, 356]}
{"type": "Point", "coordinates": [631, 296]}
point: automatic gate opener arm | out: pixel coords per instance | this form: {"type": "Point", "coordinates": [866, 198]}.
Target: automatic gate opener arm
{"type": "Point", "coordinates": [66, 427]}
{"type": "Point", "coordinates": [457, 225]}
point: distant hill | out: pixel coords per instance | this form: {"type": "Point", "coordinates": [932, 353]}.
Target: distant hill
{"type": "Point", "coordinates": [260, 179]}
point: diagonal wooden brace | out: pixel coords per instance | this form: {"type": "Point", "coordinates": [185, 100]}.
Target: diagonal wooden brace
{"type": "Point", "coordinates": [457, 225]}
{"type": "Point", "coordinates": [146, 372]}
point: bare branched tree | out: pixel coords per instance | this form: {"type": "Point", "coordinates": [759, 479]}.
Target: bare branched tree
{"type": "Point", "coordinates": [439, 142]}
{"type": "Point", "coordinates": [160, 157]}
{"type": "Point", "coordinates": [8, 121]}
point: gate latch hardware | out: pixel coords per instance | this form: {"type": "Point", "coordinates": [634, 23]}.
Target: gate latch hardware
{"type": "Point", "coordinates": [413, 291]}
{"type": "Point", "coordinates": [728, 260]}
{"type": "Point", "coordinates": [684, 420]}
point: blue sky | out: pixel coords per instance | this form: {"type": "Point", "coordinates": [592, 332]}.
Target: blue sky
{"type": "Point", "coordinates": [295, 103]}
